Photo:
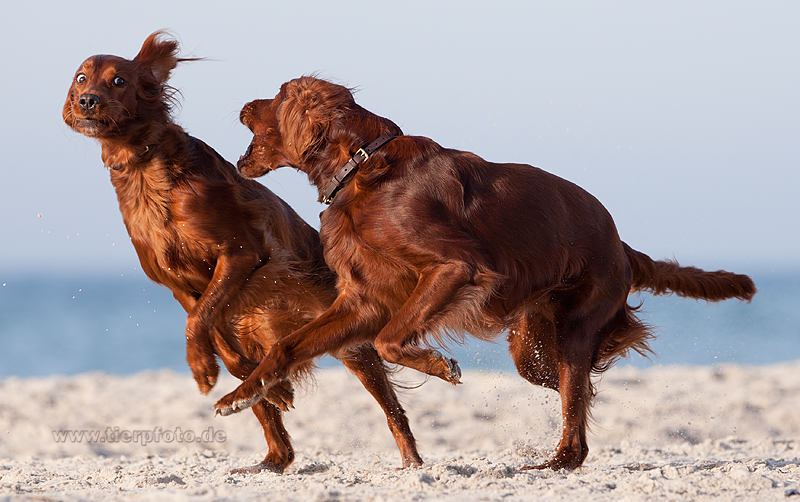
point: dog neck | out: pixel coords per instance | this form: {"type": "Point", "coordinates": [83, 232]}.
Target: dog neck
{"type": "Point", "coordinates": [119, 153]}
{"type": "Point", "coordinates": [118, 159]}
{"type": "Point", "coordinates": [337, 182]}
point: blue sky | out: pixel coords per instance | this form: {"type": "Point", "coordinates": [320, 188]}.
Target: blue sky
{"type": "Point", "coordinates": [683, 118]}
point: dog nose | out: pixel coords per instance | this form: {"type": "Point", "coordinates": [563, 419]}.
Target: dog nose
{"type": "Point", "coordinates": [88, 102]}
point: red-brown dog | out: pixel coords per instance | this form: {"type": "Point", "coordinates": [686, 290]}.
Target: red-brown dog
{"type": "Point", "coordinates": [245, 267]}
{"type": "Point", "coordinates": [433, 242]}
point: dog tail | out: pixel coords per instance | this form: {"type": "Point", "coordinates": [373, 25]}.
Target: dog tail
{"type": "Point", "coordinates": [666, 277]}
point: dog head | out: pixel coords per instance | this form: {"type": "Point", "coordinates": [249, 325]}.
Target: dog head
{"type": "Point", "coordinates": [310, 120]}
{"type": "Point", "coordinates": [266, 151]}
{"type": "Point", "coordinates": [113, 98]}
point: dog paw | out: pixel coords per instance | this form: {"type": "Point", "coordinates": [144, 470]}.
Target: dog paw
{"type": "Point", "coordinates": [205, 372]}
{"type": "Point", "coordinates": [205, 382]}
{"type": "Point", "coordinates": [411, 462]}
{"type": "Point", "coordinates": [243, 397]}
{"type": "Point", "coordinates": [260, 467]}
{"type": "Point", "coordinates": [281, 395]}
{"type": "Point", "coordinates": [449, 369]}
{"type": "Point", "coordinates": [561, 461]}
{"type": "Point", "coordinates": [228, 406]}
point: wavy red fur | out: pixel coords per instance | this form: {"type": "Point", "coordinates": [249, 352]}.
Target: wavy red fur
{"type": "Point", "coordinates": [245, 267]}
{"type": "Point", "coordinates": [431, 243]}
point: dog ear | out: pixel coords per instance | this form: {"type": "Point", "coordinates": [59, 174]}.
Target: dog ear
{"type": "Point", "coordinates": [66, 111]}
{"type": "Point", "coordinates": [309, 108]}
{"type": "Point", "coordinates": [160, 55]}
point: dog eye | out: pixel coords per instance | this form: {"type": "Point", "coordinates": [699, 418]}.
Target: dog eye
{"type": "Point", "coordinates": [118, 81]}
{"type": "Point", "coordinates": [80, 78]}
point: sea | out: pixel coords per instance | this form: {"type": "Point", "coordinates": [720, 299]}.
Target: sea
{"type": "Point", "coordinates": [123, 323]}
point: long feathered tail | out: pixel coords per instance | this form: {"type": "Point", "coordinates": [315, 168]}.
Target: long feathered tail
{"type": "Point", "coordinates": [665, 277]}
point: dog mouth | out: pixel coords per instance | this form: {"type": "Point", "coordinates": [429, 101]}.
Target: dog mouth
{"type": "Point", "coordinates": [250, 167]}
{"type": "Point", "coordinates": [89, 127]}
{"type": "Point", "coordinates": [243, 157]}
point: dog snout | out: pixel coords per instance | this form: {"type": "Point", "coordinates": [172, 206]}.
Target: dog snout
{"type": "Point", "coordinates": [89, 102]}
{"type": "Point", "coordinates": [246, 114]}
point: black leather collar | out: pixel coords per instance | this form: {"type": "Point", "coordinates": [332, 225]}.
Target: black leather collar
{"type": "Point", "coordinates": [360, 156]}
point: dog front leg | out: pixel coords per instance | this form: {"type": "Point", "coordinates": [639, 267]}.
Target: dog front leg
{"type": "Point", "coordinates": [340, 326]}
{"type": "Point", "coordinates": [230, 275]}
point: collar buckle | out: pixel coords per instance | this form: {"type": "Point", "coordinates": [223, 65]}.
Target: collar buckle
{"type": "Point", "coordinates": [363, 153]}
{"type": "Point", "coordinates": [360, 156]}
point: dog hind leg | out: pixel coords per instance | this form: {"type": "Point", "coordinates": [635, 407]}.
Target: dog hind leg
{"type": "Point", "coordinates": [441, 292]}
{"type": "Point", "coordinates": [364, 362]}
{"type": "Point", "coordinates": [281, 453]}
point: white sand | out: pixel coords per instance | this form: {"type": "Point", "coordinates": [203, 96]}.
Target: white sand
{"type": "Point", "coordinates": [667, 433]}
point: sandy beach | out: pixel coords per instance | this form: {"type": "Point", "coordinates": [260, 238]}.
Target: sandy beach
{"type": "Point", "coordinates": [664, 433]}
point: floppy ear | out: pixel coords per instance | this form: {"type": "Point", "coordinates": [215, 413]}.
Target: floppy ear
{"type": "Point", "coordinates": [66, 111]}
{"type": "Point", "coordinates": [159, 55]}
{"type": "Point", "coordinates": [309, 109]}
